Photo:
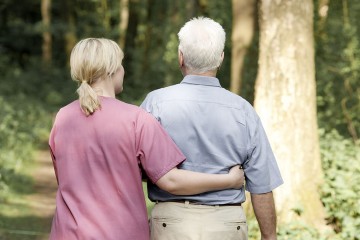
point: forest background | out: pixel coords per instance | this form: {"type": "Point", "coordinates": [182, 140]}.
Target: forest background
{"type": "Point", "coordinates": [36, 38]}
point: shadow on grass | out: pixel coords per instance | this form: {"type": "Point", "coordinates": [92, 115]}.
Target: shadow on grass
{"type": "Point", "coordinates": [17, 182]}
{"type": "Point", "coordinates": [24, 228]}
{"type": "Point", "coordinates": [18, 220]}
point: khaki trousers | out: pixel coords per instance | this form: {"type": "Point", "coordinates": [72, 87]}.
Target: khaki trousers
{"type": "Point", "coordinates": [184, 221]}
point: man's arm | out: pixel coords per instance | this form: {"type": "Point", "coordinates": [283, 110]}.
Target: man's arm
{"type": "Point", "coordinates": [183, 182]}
{"type": "Point", "coordinates": [264, 208]}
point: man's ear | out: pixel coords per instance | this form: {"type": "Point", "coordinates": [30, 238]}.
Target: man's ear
{"type": "Point", "coordinates": [180, 58]}
{"type": "Point", "coordinates": [222, 59]}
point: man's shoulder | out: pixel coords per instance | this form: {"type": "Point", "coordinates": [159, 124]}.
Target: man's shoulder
{"type": "Point", "coordinates": [241, 105]}
{"type": "Point", "coordinates": [164, 93]}
{"type": "Point", "coordinates": [236, 100]}
{"type": "Point", "coordinates": [165, 90]}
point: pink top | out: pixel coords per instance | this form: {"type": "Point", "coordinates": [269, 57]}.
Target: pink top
{"type": "Point", "coordinates": [97, 164]}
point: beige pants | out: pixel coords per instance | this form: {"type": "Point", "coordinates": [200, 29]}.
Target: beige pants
{"type": "Point", "coordinates": [184, 221]}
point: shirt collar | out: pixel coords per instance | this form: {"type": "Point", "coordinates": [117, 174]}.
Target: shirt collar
{"type": "Point", "coordinates": [201, 80]}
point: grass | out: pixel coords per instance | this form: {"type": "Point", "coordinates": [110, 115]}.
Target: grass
{"type": "Point", "coordinates": [18, 221]}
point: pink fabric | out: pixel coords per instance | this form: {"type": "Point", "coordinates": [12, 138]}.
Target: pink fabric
{"type": "Point", "coordinates": [96, 161]}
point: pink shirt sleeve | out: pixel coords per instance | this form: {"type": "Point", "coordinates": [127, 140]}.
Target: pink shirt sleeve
{"type": "Point", "coordinates": [156, 151]}
{"type": "Point", "coordinates": [52, 150]}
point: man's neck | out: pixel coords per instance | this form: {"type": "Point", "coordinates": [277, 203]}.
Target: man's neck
{"type": "Point", "coordinates": [205, 74]}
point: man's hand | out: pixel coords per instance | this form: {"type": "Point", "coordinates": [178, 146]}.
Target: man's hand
{"type": "Point", "coordinates": [237, 177]}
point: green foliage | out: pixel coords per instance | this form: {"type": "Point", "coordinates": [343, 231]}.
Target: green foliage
{"type": "Point", "coordinates": [23, 127]}
{"type": "Point", "coordinates": [291, 231]}
{"type": "Point", "coordinates": [297, 231]}
{"type": "Point", "coordinates": [51, 86]}
{"type": "Point", "coordinates": [338, 68]}
{"type": "Point", "coordinates": [340, 192]}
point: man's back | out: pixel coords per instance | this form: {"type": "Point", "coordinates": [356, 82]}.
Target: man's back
{"type": "Point", "coordinates": [215, 129]}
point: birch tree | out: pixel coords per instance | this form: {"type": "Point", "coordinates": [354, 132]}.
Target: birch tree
{"type": "Point", "coordinates": [285, 99]}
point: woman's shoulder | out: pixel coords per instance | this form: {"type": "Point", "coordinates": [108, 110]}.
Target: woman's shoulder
{"type": "Point", "coordinates": [109, 105]}
{"type": "Point", "coordinates": [117, 103]}
{"type": "Point", "coordinates": [69, 107]}
{"type": "Point", "coordinates": [124, 110]}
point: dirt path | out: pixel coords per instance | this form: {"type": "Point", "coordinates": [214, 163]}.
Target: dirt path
{"type": "Point", "coordinates": [42, 200]}
{"type": "Point", "coordinates": [28, 213]}
{"type": "Point", "coordinates": [45, 186]}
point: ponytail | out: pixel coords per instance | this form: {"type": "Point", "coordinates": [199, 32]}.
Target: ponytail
{"type": "Point", "coordinates": [89, 100]}
{"type": "Point", "coordinates": [91, 60]}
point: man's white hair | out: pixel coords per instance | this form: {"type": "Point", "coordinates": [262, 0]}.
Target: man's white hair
{"type": "Point", "coordinates": [202, 41]}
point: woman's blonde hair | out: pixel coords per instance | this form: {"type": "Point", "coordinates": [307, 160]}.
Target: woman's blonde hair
{"type": "Point", "coordinates": [91, 60]}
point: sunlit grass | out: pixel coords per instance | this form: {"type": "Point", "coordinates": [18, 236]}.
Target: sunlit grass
{"type": "Point", "coordinates": [149, 204]}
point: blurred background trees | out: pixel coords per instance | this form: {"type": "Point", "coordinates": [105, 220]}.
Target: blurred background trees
{"type": "Point", "coordinates": [36, 38]}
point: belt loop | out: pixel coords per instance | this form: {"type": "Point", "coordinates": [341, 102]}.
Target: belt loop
{"type": "Point", "coordinates": [217, 207]}
{"type": "Point", "coordinates": [187, 204]}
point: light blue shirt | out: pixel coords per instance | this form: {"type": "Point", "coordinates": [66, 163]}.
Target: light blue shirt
{"type": "Point", "coordinates": [215, 129]}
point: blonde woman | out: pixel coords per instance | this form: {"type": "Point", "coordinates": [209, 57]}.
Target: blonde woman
{"type": "Point", "coordinates": [99, 144]}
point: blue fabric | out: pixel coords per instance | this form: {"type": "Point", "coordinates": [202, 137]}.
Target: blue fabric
{"type": "Point", "coordinates": [215, 129]}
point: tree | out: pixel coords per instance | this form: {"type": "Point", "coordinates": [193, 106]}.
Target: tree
{"type": "Point", "coordinates": [124, 21]}
{"type": "Point", "coordinates": [285, 99]}
{"type": "Point", "coordinates": [47, 41]}
{"type": "Point", "coordinates": [70, 33]}
{"type": "Point", "coordinates": [104, 11]}
{"type": "Point", "coordinates": [243, 12]}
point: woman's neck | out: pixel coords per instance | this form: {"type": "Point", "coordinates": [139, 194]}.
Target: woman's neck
{"type": "Point", "coordinates": [104, 87]}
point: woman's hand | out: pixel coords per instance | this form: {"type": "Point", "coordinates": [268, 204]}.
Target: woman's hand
{"type": "Point", "coordinates": [237, 176]}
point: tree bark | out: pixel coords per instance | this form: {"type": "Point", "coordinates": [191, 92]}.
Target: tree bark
{"type": "Point", "coordinates": [46, 35]}
{"type": "Point", "coordinates": [70, 34]}
{"type": "Point", "coordinates": [285, 99]}
{"type": "Point", "coordinates": [104, 12]}
{"type": "Point", "coordinates": [243, 12]}
{"type": "Point", "coordinates": [124, 21]}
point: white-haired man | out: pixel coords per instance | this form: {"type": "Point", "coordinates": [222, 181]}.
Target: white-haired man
{"type": "Point", "coordinates": [215, 129]}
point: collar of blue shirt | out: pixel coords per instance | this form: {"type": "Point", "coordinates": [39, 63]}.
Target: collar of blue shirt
{"type": "Point", "coordinates": [201, 80]}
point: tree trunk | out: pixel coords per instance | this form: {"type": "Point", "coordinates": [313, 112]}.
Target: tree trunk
{"type": "Point", "coordinates": [323, 9]}
{"type": "Point", "coordinates": [104, 12]}
{"type": "Point", "coordinates": [243, 12]}
{"type": "Point", "coordinates": [46, 35]}
{"type": "Point", "coordinates": [192, 7]}
{"type": "Point", "coordinates": [124, 21]}
{"type": "Point", "coordinates": [285, 99]}
{"type": "Point", "coordinates": [70, 34]}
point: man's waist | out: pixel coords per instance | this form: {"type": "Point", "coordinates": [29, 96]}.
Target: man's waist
{"type": "Point", "coordinates": [228, 196]}
{"type": "Point", "coordinates": [184, 201]}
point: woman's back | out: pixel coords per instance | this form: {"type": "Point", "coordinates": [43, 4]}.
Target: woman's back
{"type": "Point", "coordinates": [97, 166]}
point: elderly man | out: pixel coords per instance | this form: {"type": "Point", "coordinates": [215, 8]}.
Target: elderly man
{"type": "Point", "coordinates": [215, 129]}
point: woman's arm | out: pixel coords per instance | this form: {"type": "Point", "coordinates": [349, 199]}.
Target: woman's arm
{"type": "Point", "coordinates": [183, 182]}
